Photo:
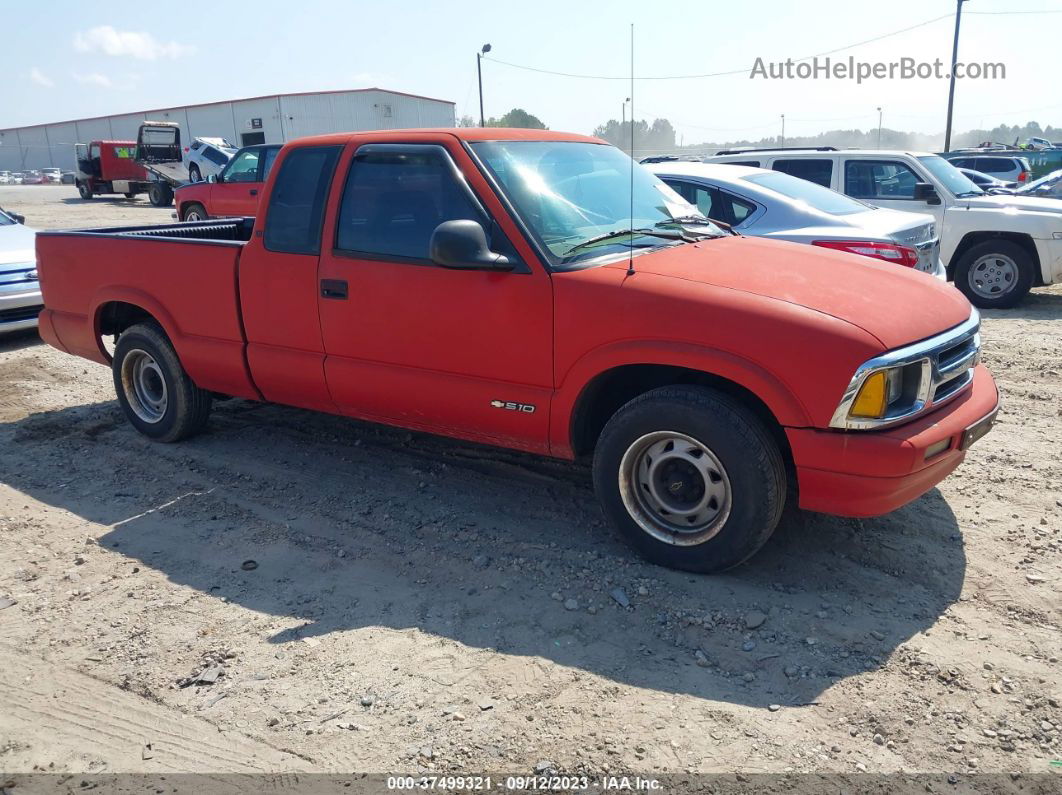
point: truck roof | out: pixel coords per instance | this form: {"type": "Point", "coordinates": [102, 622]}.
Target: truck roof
{"type": "Point", "coordinates": [463, 133]}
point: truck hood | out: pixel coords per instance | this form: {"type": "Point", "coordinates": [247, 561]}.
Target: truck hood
{"type": "Point", "coordinates": [1014, 202]}
{"type": "Point", "coordinates": [897, 305]}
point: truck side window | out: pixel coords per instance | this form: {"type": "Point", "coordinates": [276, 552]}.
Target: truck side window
{"type": "Point", "coordinates": [813, 170]}
{"type": "Point", "coordinates": [878, 179]}
{"type": "Point", "coordinates": [296, 205]}
{"type": "Point", "coordinates": [395, 197]}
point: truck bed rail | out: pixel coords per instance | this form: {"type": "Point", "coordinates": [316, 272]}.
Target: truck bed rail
{"type": "Point", "coordinates": [224, 229]}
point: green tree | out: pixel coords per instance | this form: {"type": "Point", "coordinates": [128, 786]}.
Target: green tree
{"type": "Point", "coordinates": [517, 117]}
{"type": "Point", "coordinates": [467, 121]}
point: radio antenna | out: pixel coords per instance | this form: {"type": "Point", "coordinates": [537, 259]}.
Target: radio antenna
{"type": "Point", "coordinates": [630, 261]}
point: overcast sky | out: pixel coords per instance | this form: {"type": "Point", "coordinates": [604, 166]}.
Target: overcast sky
{"type": "Point", "coordinates": [65, 60]}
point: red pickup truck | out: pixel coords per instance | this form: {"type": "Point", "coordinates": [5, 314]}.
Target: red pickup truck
{"type": "Point", "coordinates": [492, 285]}
{"type": "Point", "coordinates": [233, 192]}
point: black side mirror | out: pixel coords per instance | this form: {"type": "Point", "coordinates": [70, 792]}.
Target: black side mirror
{"type": "Point", "coordinates": [924, 192]}
{"type": "Point", "coordinates": [463, 244]}
{"type": "Point", "coordinates": [19, 219]}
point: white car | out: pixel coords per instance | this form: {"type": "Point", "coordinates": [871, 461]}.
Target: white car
{"type": "Point", "coordinates": [5, 178]}
{"type": "Point", "coordinates": [206, 156]}
{"type": "Point", "coordinates": [764, 203]}
{"type": "Point", "coordinates": [52, 176]}
{"type": "Point", "coordinates": [20, 292]}
{"type": "Point", "coordinates": [995, 247]}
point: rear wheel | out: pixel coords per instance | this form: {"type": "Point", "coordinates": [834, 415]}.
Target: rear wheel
{"type": "Point", "coordinates": [154, 391]}
{"type": "Point", "coordinates": [84, 190]}
{"type": "Point", "coordinates": [195, 212]}
{"type": "Point", "coordinates": [193, 173]}
{"type": "Point", "coordinates": [995, 274]}
{"type": "Point", "coordinates": [160, 194]}
{"type": "Point", "coordinates": [692, 479]}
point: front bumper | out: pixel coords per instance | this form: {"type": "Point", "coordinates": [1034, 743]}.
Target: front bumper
{"type": "Point", "coordinates": [19, 310]}
{"type": "Point", "coordinates": [869, 473]}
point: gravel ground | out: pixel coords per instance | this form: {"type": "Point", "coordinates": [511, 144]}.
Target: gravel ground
{"type": "Point", "coordinates": [357, 597]}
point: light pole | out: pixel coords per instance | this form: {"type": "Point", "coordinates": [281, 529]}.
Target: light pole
{"type": "Point", "coordinates": [623, 113]}
{"type": "Point", "coordinates": [781, 141]}
{"type": "Point", "coordinates": [879, 128]}
{"type": "Point", "coordinates": [479, 77]}
{"type": "Point", "coordinates": [951, 85]}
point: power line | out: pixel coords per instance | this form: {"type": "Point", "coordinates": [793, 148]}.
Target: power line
{"type": "Point", "coordinates": [579, 76]}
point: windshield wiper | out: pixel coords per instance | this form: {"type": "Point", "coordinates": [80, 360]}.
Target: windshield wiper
{"type": "Point", "coordinates": [699, 220]}
{"type": "Point", "coordinates": [627, 231]}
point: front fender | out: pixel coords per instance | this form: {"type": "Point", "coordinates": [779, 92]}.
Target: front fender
{"type": "Point", "coordinates": [778, 396]}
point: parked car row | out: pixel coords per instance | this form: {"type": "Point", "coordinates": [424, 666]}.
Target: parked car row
{"type": "Point", "coordinates": [995, 247]}
{"type": "Point", "coordinates": [43, 176]}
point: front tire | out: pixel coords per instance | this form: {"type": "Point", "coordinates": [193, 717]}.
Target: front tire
{"type": "Point", "coordinates": [995, 274]}
{"type": "Point", "coordinates": [195, 212]}
{"type": "Point", "coordinates": [193, 173]}
{"type": "Point", "coordinates": [84, 190]}
{"type": "Point", "coordinates": [690, 478]}
{"type": "Point", "coordinates": [154, 391]}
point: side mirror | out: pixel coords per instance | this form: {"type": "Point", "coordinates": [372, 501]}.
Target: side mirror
{"type": "Point", "coordinates": [463, 244]}
{"type": "Point", "coordinates": [19, 219]}
{"type": "Point", "coordinates": [212, 178]}
{"type": "Point", "coordinates": [924, 192]}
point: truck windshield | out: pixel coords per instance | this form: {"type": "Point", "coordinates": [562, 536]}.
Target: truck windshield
{"type": "Point", "coordinates": [576, 199]}
{"type": "Point", "coordinates": [954, 180]}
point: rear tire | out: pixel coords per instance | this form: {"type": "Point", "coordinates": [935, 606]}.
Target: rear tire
{"type": "Point", "coordinates": [690, 478]}
{"type": "Point", "coordinates": [195, 212]}
{"type": "Point", "coordinates": [995, 274]}
{"type": "Point", "coordinates": [154, 391]}
{"type": "Point", "coordinates": [84, 190]}
{"type": "Point", "coordinates": [160, 194]}
{"type": "Point", "coordinates": [193, 173]}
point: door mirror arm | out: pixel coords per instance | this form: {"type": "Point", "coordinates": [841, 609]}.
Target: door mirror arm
{"type": "Point", "coordinates": [462, 244]}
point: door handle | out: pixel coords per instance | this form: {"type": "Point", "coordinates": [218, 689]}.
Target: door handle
{"type": "Point", "coordinates": [253, 191]}
{"type": "Point", "coordinates": [334, 288]}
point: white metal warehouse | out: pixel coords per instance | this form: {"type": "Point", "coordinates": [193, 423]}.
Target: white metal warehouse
{"type": "Point", "coordinates": [270, 119]}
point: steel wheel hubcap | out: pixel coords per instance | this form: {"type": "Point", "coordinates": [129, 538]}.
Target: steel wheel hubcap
{"type": "Point", "coordinates": [993, 275]}
{"type": "Point", "coordinates": [192, 216]}
{"type": "Point", "coordinates": [675, 488]}
{"type": "Point", "coordinates": [144, 386]}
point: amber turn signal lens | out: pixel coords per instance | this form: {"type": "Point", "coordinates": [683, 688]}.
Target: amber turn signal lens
{"type": "Point", "coordinates": [872, 398]}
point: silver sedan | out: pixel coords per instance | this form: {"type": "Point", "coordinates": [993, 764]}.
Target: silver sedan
{"type": "Point", "coordinates": [20, 292]}
{"type": "Point", "coordinates": [765, 203]}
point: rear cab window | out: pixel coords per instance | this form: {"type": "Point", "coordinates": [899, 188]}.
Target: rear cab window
{"type": "Point", "coordinates": [297, 201]}
{"type": "Point", "coordinates": [817, 170]}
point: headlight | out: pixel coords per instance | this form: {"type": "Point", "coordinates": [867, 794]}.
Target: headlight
{"type": "Point", "coordinates": [899, 384]}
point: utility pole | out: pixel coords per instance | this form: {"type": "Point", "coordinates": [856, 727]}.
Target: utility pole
{"type": "Point", "coordinates": [782, 139]}
{"type": "Point", "coordinates": [951, 85]}
{"type": "Point", "coordinates": [623, 113]}
{"type": "Point", "coordinates": [879, 128]}
{"type": "Point", "coordinates": [479, 76]}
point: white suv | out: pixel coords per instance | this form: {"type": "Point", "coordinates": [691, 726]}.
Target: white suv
{"type": "Point", "coordinates": [994, 247]}
{"type": "Point", "coordinates": [206, 156]}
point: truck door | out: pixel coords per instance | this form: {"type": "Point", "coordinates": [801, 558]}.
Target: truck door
{"type": "Point", "coordinates": [466, 353]}
{"type": "Point", "coordinates": [888, 183]}
{"type": "Point", "coordinates": [236, 191]}
{"type": "Point", "coordinates": [278, 282]}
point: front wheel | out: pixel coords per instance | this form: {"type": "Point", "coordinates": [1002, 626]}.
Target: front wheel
{"type": "Point", "coordinates": [84, 190]}
{"type": "Point", "coordinates": [193, 173]}
{"type": "Point", "coordinates": [195, 212]}
{"type": "Point", "coordinates": [154, 391]}
{"type": "Point", "coordinates": [995, 274]}
{"type": "Point", "coordinates": [691, 478]}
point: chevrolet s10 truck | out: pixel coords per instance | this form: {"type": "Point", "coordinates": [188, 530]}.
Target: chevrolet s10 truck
{"type": "Point", "coordinates": [528, 289]}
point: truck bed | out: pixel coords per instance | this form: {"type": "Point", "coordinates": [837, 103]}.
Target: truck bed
{"type": "Point", "coordinates": [87, 275]}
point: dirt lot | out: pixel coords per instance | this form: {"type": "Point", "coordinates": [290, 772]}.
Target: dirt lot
{"type": "Point", "coordinates": [298, 591]}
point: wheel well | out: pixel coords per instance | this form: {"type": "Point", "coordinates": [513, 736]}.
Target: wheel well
{"type": "Point", "coordinates": [973, 238]}
{"type": "Point", "coordinates": [604, 396]}
{"type": "Point", "coordinates": [117, 316]}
